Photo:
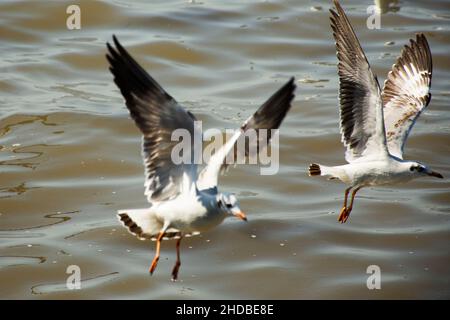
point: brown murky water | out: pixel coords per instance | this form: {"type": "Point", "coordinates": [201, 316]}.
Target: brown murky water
{"type": "Point", "coordinates": [70, 156]}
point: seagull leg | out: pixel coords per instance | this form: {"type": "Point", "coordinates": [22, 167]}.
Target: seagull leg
{"type": "Point", "coordinates": [349, 209]}
{"type": "Point", "coordinates": [344, 208]}
{"type": "Point", "coordinates": [177, 265]}
{"type": "Point", "coordinates": [158, 248]}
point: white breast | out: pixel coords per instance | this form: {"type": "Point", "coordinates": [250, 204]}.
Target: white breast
{"type": "Point", "coordinates": [189, 213]}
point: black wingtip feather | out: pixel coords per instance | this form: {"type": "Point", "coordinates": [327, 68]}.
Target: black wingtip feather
{"type": "Point", "coordinates": [134, 82]}
{"type": "Point", "coordinates": [314, 170]}
{"type": "Point", "coordinates": [130, 224]}
{"type": "Point", "coordinates": [272, 112]}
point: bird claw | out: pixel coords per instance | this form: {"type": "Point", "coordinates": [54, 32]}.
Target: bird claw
{"type": "Point", "coordinates": [175, 272]}
{"type": "Point", "coordinates": [343, 216]}
{"type": "Point", "coordinates": [153, 266]}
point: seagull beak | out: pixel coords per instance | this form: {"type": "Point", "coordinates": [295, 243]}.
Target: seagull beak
{"type": "Point", "coordinates": [436, 174]}
{"type": "Point", "coordinates": [240, 215]}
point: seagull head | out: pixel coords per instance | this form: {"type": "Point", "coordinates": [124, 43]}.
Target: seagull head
{"type": "Point", "coordinates": [420, 170]}
{"type": "Point", "coordinates": [229, 204]}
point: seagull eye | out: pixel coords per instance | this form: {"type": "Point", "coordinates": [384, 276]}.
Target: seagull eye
{"type": "Point", "coordinates": [229, 206]}
{"type": "Point", "coordinates": [411, 168]}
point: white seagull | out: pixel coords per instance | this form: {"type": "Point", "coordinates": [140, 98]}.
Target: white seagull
{"type": "Point", "coordinates": [375, 124]}
{"type": "Point", "coordinates": [182, 202]}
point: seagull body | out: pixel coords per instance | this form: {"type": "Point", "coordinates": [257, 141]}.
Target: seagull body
{"type": "Point", "coordinates": [182, 201]}
{"type": "Point", "coordinates": [375, 123]}
{"type": "Point", "coordinates": [192, 212]}
{"type": "Point", "coordinates": [378, 172]}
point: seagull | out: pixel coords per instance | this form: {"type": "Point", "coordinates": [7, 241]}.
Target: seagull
{"type": "Point", "coordinates": [182, 201]}
{"type": "Point", "coordinates": [375, 124]}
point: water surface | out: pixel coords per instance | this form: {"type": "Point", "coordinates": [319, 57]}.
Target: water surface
{"type": "Point", "coordinates": [70, 155]}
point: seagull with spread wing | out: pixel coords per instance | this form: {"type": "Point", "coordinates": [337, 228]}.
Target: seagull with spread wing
{"type": "Point", "coordinates": [375, 124]}
{"type": "Point", "coordinates": [183, 202]}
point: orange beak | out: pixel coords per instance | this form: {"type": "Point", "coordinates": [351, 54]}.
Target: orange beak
{"type": "Point", "coordinates": [240, 215]}
{"type": "Point", "coordinates": [436, 174]}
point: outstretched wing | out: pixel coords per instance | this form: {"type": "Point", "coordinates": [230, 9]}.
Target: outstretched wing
{"type": "Point", "coordinates": [361, 111]}
{"type": "Point", "coordinates": [268, 116]}
{"type": "Point", "coordinates": [406, 92]}
{"type": "Point", "coordinates": [157, 115]}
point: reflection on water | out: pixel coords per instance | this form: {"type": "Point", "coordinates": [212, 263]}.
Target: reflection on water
{"type": "Point", "coordinates": [16, 190]}
{"type": "Point", "coordinates": [85, 284]}
{"type": "Point", "coordinates": [386, 6]}
{"type": "Point", "coordinates": [70, 155]}
{"type": "Point", "coordinates": [6, 261]}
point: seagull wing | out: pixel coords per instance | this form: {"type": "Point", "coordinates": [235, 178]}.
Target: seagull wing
{"type": "Point", "coordinates": [361, 112]}
{"type": "Point", "coordinates": [268, 116]}
{"type": "Point", "coordinates": [157, 115]}
{"type": "Point", "coordinates": [406, 92]}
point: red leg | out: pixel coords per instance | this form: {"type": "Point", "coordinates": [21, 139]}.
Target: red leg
{"type": "Point", "coordinates": [158, 248]}
{"type": "Point", "coordinates": [349, 209]}
{"type": "Point", "coordinates": [344, 207]}
{"type": "Point", "coordinates": [177, 265]}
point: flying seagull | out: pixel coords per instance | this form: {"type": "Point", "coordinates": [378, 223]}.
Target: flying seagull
{"type": "Point", "coordinates": [375, 124]}
{"type": "Point", "coordinates": [182, 201]}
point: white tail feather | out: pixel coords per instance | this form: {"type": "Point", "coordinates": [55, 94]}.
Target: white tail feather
{"type": "Point", "coordinates": [327, 171]}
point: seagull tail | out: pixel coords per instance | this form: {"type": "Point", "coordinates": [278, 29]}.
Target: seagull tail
{"type": "Point", "coordinates": [140, 222]}
{"type": "Point", "coordinates": [314, 170]}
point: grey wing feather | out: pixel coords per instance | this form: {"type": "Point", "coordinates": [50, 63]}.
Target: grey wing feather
{"type": "Point", "coordinates": [157, 115]}
{"type": "Point", "coordinates": [406, 92]}
{"type": "Point", "coordinates": [361, 112]}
